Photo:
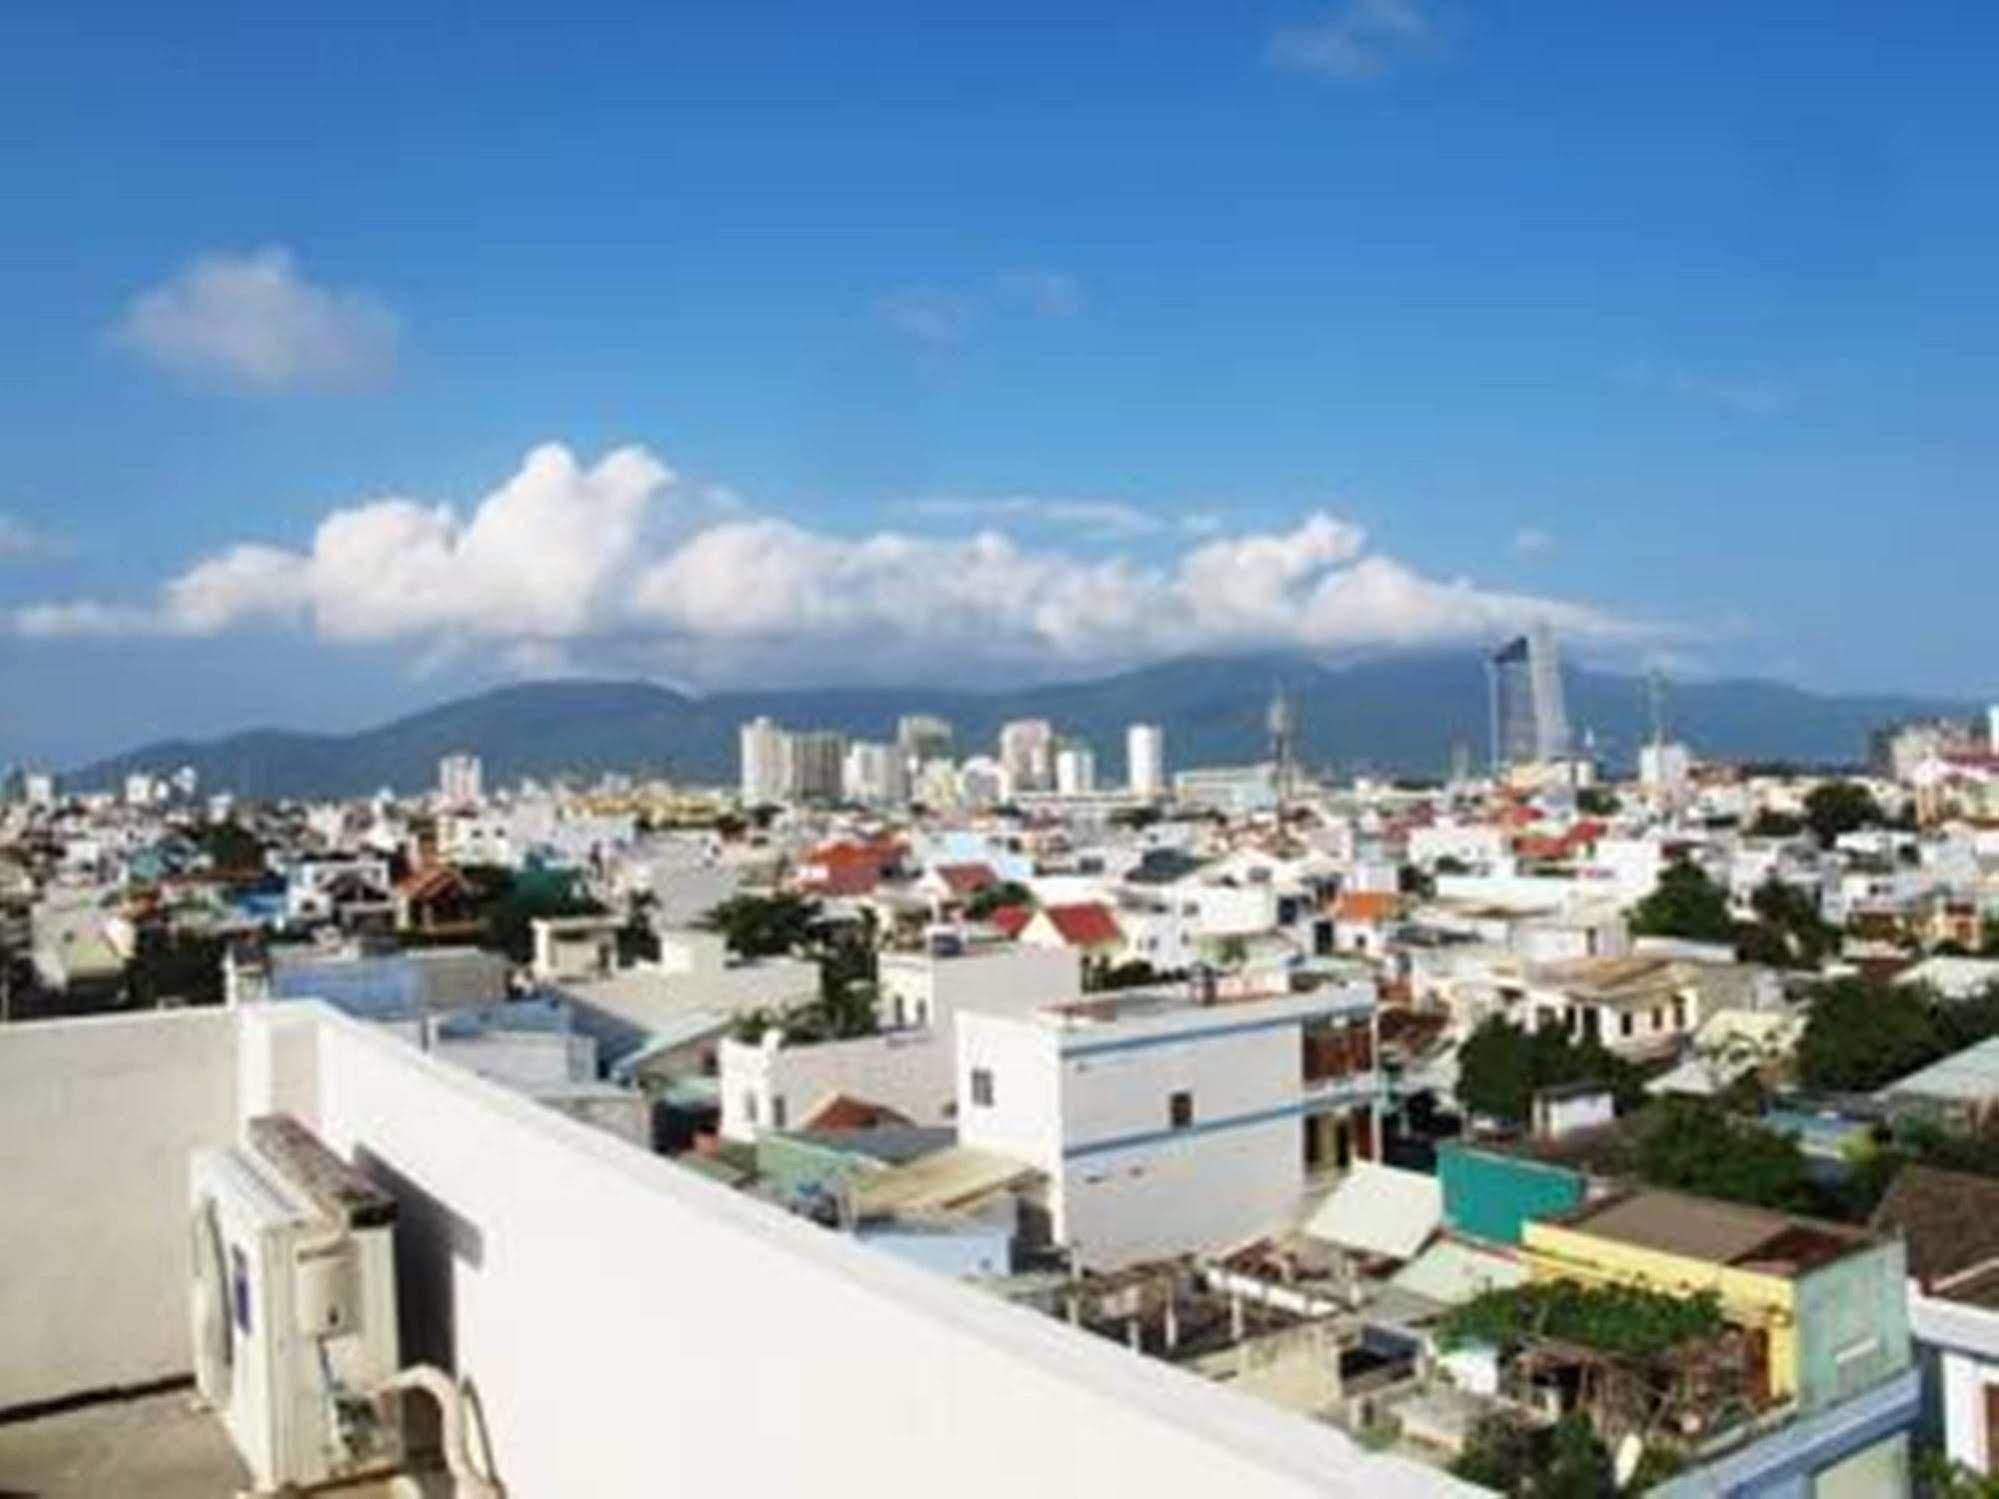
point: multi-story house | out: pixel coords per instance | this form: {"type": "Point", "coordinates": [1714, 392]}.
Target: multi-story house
{"type": "Point", "coordinates": [1164, 1124]}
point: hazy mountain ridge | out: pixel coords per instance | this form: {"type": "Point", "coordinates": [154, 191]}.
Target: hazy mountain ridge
{"type": "Point", "coordinates": [1400, 713]}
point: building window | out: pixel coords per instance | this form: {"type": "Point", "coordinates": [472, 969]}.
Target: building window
{"type": "Point", "coordinates": [1658, 1018]}
{"type": "Point", "coordinates": [1679, 1014]}
{"type": "Point", "coordinates": [1625, 1023]}
{"type": "Point", "coordinates": [777, 1111]}
{"type": "Point", "coordinates": [1180, 1109]}
{"type": "Point", "coordinates": [982, 1087]}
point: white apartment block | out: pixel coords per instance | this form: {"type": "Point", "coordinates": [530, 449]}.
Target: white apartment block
{"type": "Point", "coordinates": [1027, 751]}
{"type": "Point", "coordinates": [1075, 770]}
{"type": "Point", "coordinates": [1164, 1125]}
{"type": "Point", "coordinates": [875, 774]}
{"type": "Point", "coordinates": [460, 780]}
{"type": "Point", "coordinates": [908, 1066]}
{"type": "Point", "coordinates": [766, 762]}
{"type": "Point", "coordinates": [818, 763]}
{"type": "Point", "coordinates": [1145, 759]}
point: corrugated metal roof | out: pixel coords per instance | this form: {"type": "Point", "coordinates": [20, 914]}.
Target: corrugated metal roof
{"type": "Point", "coordinates": [1451, 1272]}
{"type": "Point", "coordinates": [948, 1179]}
{"type": "Point", "coordinates": [1380, 1210]}
{"type": "Point", "coordinates": [1968, 1076]}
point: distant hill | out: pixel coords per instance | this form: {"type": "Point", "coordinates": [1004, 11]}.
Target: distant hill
{"type": "Point", "coordinates": [1399, 713]}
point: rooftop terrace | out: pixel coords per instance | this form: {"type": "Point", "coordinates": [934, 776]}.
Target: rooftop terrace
{"type": "Point", "coordinates": [593, 1295]}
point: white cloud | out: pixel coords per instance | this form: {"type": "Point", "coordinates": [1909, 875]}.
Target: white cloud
{"type": "Point", "coordinates": [1746, 395]}
{"type": "Point", "coordinates": [564, 564]}
{"type": "Point", "coordinates": [1094, 520]}
{"type": "Point", "coordinates": [1532, 541]}
{"type": "Point", "coordinates": [931, 316]}
{"type": "Point", "coordinates": [938, 317]}
{"type": "Point", "coordinates": [255, 321]}
{"type": "Point", "coordinates": [1357, 39]}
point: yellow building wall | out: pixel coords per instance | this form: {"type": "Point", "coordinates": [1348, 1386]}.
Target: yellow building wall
{"type": "Point", "coordinates": [1748, 1299]}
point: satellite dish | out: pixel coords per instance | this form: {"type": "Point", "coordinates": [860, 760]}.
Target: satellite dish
{"type": "Point", "coordinates": [1629, 1452]}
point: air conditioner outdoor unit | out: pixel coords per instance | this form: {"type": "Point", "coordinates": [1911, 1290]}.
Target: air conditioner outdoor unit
{"type": "Point", "coordinates": [294, 1306]}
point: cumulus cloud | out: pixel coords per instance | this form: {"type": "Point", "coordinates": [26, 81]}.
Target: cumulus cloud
{"type": "Point", "coordinates": [1532, 541]}
{"type": "Point", "coordinates": [622, 561]}
{"type": "Point", "coordinates": [255, 321]}
{"type": "Point", "coordinates": [1091, 520]}
{"type": "Point", "coordinates": [1357, 39]}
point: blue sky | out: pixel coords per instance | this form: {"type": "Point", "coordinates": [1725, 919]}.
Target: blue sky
{"type": "Point", "coordinates": [1671, 322]}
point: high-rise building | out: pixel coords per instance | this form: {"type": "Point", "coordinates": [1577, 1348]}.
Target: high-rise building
{"type": "Point", "coordinates": [1075, 770]}
{"type": "Point", "coordinates": [818, 765]}
{"type": "Point", "coordinates": [1529, 723]}
{"type": "Point", "coordinates": [922, 736]}
{"type": "Point", "coordinates": [1283, 725]}
{"type": "Point", "coordinates": [876, 774]}
{"type": "Point", "coordinates": [1145, 759]}
{"type": "Point", "coordinates": [460, 780]}
{"type": "Point", "coordinates": [766, 767]}
{"type": "Point", "coordinates": [1992, 729]}
{"type": "Point", "coordinates": [1027, 751]}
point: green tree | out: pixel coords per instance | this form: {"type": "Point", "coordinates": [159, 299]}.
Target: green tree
{"type": "Point", "coordinates": [1693, 1145]}
{"type": "Point", "coordinates": [1788, 932]}
{"type": "Point", "coordinates": [1838, 807]}
{"type": "Point", "coordinates": [1598, 801]}
{"type": "Point", "coordinates": [1501, 1066]}
{"type": "Point", "coordinates": [764, 926]}
{"type": "Point", "coordinates": [1565, 1461]}
{"type": "Point", "coordinates": [996, 895]}
{"type": "Point", "coordinates": [231, 848]}
{"type": "Point", "coordinates": [1860, 1035]}
{"type": "Point", "coordinates": [1687, 904]}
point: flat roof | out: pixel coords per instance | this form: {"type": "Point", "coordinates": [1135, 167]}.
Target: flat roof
{"type": "Point", "coordinates": [1715, 1232]}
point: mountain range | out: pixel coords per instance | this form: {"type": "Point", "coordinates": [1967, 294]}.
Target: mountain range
{"type": "Point", "coordinates": [1402, 714]}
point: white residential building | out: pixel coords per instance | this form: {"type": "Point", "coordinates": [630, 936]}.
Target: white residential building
{"type": "Point", "coordinates": [460, 780]}
{"type": "Point", "coordinates": [875, 774]}
{"type": "Point", "coordinates": [1145, 759]}
{"type": "Point", "coordinates": [817, 766]}
{"type": "Point", "coordinates": [1164, 1125]}
{"type": "Point", "coordinates": [766, 762]}
{"type": "Point", "coordinates": [1075, 770]}
{"type": "Point", "coordinates": [1664, 766]}
{"type": "Point", "coordinates": [1027, 751]}
{"type": "Point", "coordinates": [908, 1066]}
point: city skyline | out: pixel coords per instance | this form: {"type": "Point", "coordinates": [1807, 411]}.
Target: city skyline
{"type": "Point", "coordinates": [1387, 335]}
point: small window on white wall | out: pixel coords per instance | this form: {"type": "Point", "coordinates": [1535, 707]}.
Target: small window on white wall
{"type": "Point", "coordinates": [982, 1087]}
{"type": "Point", "coordinates": [777, 1111]}
{"type": "Point", "coordinates": [1180, 1109]}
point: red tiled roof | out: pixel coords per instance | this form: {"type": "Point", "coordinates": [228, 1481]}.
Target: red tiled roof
{"type": "Point", "coordinates": [431, 882]}
{"type": "Point", "coordinates": [845, 877]}
{"type": "Point", "coordinates": [1368, 906]}
{"type": "Point", "coordinates": [844, 1111]}
{"type": "Point", "coordinates": [1086, 924]}
{"type": "Point", "coordinates": [966, 879]}
{"type": "Point", "coordinates": [1012, 920]}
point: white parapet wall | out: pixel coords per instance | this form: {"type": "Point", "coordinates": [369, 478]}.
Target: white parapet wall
{"type": "Point", "coordinates": [631, 1327]}
{"type": "Point", "coordinates": [97, 1120]}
